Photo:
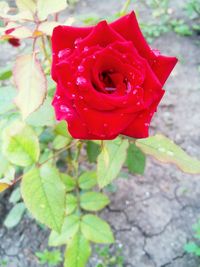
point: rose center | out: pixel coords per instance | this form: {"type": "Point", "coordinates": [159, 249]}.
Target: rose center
{"type": "Point", "coordinates": [106, 78]}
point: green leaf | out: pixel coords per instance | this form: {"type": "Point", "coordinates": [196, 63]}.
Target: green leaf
{"type": "Point", "coordinates": [48, 7]}
{"type": "Point", "coordinates": [165, 150]}
{"type": "Point", "coordinates": [96, 229]}
{"type": "Point", "coordinates": [78, 252]}
{"type": "Point", "coordinates": [44, 116]}
{"type": "Point", "coordinates": [31, 83]}
{"type": "Point", "coordinates": [7, 95]}
{"type": "Point", "coordinates": [69, 229]}
{"type": "Point", "coordinates": [15, 215]}
{"type": "Point", "coordinates": [192, 248]}
{"type": "Point", "coordinates": [61, 129]}
{"type": "Point", "coordinates": [93, 150]}
{"type": "Point", "coordinates": [5, 73]}
{"type": "Point", "coordinates": [135, 160]}
{"type": "Point", "coordinates": [68, 181]}
{"type": "Point", "coordinates": [71, 203]}
{"type": "Point", "coordinates": [26, 5]}
{"type": "Point", "coordinates": [87, 180]}
{"type": "Point", "coordinates": [93, 201]}
{"type": "Point", "coordinates": [15, 196]}
{"type": "Point", "coordinates": [51, 258]}
{"type": "Point", "coordinates": [111, 160]}
{"type": "Point", "coordinates": [60, 142]}
{"type": "Point", "coordinates": [44, 195]}
{"type": "Point", "coordinates": [20, 144]}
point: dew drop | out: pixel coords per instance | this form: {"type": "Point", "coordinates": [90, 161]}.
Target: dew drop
{"type": "Point", "coordinates": [81, 81]}
{"type": "Point", "coordinates": [134, 92]}
{"type": "Point", "coordinates": [105, 125]}
{"type": "Point", "coordinates": [64, 109]}
{"type": "Point", "coordinates": [124, 102]}
{"type": "Point", "coordinates": [76, 42]}
{"type": "Point", "coordinates": [110, 89]}
{"type": "Point", "coordinates": [138, 103]}
{"type": "Point", "coordinates": [73, 96]}
{"type": "Point", "coordinates": [121, 114]}
{"type": "Point", "coordinates": [81, 97]}
{"type": "Point", "coordinates": [64, 52]}
{"type": "Point", "coordinates": [102, 135]}
{"type": "Point", "coordinates": [57, 96]}
{"type": "Point", "coordinates": [85, 109]}
{"type": "Point", "coordinates": [124, 56]}
{"type": "Point", "coordinates": [86, 49]}
{"type": "Point", "coordinates": [94, 57]}
{"type": "Point", "coordinates": [146, 124]}
{"type": "Point", "coordinates": [81, 68]}
{"type": "Point", "coordinates": [129, 88]}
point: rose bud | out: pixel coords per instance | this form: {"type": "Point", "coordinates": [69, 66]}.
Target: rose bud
{"type": "Point", "coordinates": [12, 40]}
{"type": "Point", "coordinates": [109, 81]}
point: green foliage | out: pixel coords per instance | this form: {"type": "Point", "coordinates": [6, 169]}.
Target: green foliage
{"type": "Point", "coordinates": [71, 203]}
{"type": "Point", "coordinates": [192, 8]}
{"type": "Point", "coordinates": [87, 180]}
{"type": "Point", "coordinates": [110, 161]}
{"type": "Point", "coordinates": [68, 181]}
{"type": "Point", "coordinates": [108, 257]}
{"type": "Point", "coordinates": [93, 201]}
{"type": "Point", "coordinates": [20, 144]}
{"type": "Point", "coordinates": [69, 229]}
{"type": "Point", "coordinates": [136, 160]}
{"type": "Point", "coordinates": [15, 215]}
{"type": "Point", "coordinates": [164, 150]}
{"type": "Point", "coordinates": [52, 258]}
{"type": "Point", "coordinates": [7, 93]}
{"type": "Point", "coordinates": [193, 247]}
{"type": "Point", "coordinates": [96, 229]}
{"type": "Point", "coordinates": [44, 195]}
{"type": "Point", "coordinates": [78, 251]}
{"type": "Point", "coordinates": [93, 150]}
{"type": "Point", "coordinates": [181, 28]}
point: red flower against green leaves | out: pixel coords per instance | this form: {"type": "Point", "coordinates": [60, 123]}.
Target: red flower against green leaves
{"type": "Point", "coordinates": [109, 81]}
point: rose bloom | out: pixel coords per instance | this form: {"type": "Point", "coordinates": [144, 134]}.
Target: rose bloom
{"type": "Point", "coordinates": [109, 81]}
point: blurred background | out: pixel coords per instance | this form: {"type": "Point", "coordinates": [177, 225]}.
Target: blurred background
{"type": "Point", "coordinates": [151, 214]}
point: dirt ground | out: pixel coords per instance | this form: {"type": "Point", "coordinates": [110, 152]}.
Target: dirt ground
{"type": "Point", "coordinates": [152, 215]}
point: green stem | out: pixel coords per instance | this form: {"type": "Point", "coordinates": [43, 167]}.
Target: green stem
{"type": "Point", "coordinates": [125, 8]}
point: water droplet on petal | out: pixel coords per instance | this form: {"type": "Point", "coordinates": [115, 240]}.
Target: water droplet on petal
{"type": "Point", "coordinates": [81, 97]}
{"type": "Point", "coordinates": [102, 135]}
{"type": "Point", "coordinates": [110, 89]}
{"type": "Point", "coordinates": [85, 109]}
{"type": "Point", "coordinates": [94, 57]}
{"type": "Point", "coordinates": [57, 96]}
{"type": "Point", "coordinates": [81, 81]}
{"type": "Point", "coordinates": [146, 124]}
{"type": "Point", "coordinates": [124, 102]}
{"type": "Point", "coordinates": [76, 42]}
{"type": "Point", "coordinates": [105, 125]}
{"type": "Point", "coordinates": [138, 103]}
{"type": "Point", "coordinates": [73, 96]}
{"type": "Point", "coordinates": [121, 114]}
{"type": "Point", "coordinates": [64, 52]}
{"type": "Point", "coordinates": [135, 92]}
{"type": "Point", "coordinates": [124, 56]}
{"type": "Point", "coordinates": [129, 87]}
{"type": "Point", "coordinates": [86, 49]}
{"type": "Point", "coordinates": [81, 68]}
{"type": "Point", "coordinates": [64, 109]}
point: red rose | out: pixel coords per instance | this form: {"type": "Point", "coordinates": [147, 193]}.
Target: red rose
{"type": "Point", "coordinates": [109, 81]}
